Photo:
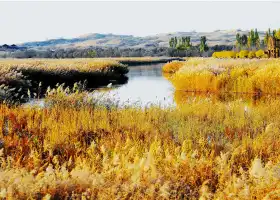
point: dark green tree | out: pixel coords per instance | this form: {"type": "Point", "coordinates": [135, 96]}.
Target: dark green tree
{"type": "Point", "coordinates": [203, 46]}
{"type": "Point", "coordinates": [244, 40]}
{"type": "Point", "coordinates": [251, 39]}
{"type": "Point", "coordinates": [184, 43]}
{"type": "Point", "coordinates": [92, 54]}
{"type": "Point", "coordinates": [175, 42]}
{"type": "Point", "coordinates": [267, 34]}
{"type": "Point", "coordinates": [273, 33]}
{"type": "Point", "coordinates": [172, 43]}
{"type": "Point", "coordinates": [257, 39]}
{"type": "Point", "coordinates": [238, 40]}
{"type": "Point", "coordinates": [188, 42]}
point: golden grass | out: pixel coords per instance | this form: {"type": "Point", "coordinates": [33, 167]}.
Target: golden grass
{"type": "Point", "coordinates": [229, 75]}
{"type": "Point", "coordinates": [172, 67]}
{"type": "Point", "coordinates": [22, 75]}
{"type": "Point", "coordinates": [143, 60]}
{"type": "Point", "coordinates": [84, 65]}
{"type": "Point", "coordinates": [74, 148]}
{"type": "Point", "coordinates": [147, 58]}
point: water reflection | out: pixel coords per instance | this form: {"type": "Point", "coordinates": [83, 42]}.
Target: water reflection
{"type": "Point", "coordinates": [182, 98]}
{"type": "Point", "coordinates": [145, 86]}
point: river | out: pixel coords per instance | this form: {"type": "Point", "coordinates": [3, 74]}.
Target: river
{"type": "Point", "coordinates": [146, 86]}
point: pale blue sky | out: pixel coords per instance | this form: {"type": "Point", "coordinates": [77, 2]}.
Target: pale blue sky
{"type": "Point", "coordinates": [32, 21]}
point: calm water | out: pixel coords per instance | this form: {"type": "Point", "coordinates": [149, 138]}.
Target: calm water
{"type": "Point", "coordinates": [145, 86]}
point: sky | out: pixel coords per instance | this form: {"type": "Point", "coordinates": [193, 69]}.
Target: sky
{"type": "Point", "coordinates": [36, 21]}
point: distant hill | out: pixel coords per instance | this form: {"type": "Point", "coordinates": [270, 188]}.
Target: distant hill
{"type": "Point", "coordinates": [218, 37]}
{"type": "Point", "coordinates": [12, 47]}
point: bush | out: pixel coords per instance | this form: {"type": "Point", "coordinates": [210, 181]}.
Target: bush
{"type": "Point", "coordinates": [260, 54]}
{"type": "Point", "coordinates": [265, 56]}
{"type": "Point", "coordinates": [251, 54]}
{"type": "Point", "coordinates": [214, 55]}
{"type": "Point", "coordinates": [172, 67]}
{"type": "Point", "coordinates": [224, 54]}
{"type": "Point", "coordinates": [243, 54]}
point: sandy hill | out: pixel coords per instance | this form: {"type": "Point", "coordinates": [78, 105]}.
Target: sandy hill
{"type": "Point", "coordinates": [218, 37]}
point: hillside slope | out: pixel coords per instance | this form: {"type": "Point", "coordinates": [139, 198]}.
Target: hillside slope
{"type": "Point", "coordinates": [219, 37]}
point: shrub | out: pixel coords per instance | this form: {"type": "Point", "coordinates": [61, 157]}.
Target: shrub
{"type": "Point", "coordinates": [214, 55]}
{"type": "Point", "coordinates": [260, 53]}
{"type": "Point", "coordinates": [243, 54]}
{"type": "Point", "coordinates": [265, 56]}
{"type": "Point", "coordinates": [172, 67]}
{"type": "Point", "coordinates": [224, 54]}
{"type": "Point", "coordinates": [251, 54]}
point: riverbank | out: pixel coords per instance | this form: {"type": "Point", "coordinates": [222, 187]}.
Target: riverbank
{"type": "Point", "coordinates": [30, 74]}
{"type": "Point", "coordinates": [146, 60]}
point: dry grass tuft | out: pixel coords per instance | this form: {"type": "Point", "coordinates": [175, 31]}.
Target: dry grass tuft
{"type": "Point", "coordinates": [172, 67]}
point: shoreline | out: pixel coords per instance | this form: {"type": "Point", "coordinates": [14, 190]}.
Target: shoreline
{"type": "Point", "coordinates": [149, 62]}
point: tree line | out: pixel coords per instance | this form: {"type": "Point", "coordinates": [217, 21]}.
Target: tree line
{"type": "Point", "coordinates": [93, 52]}
{"type": "Point", "coordinates": [97, 52]}
{"type": "Point", "coordinates": [184, 43]}
{"type": "Point", "coordinates": [252, 39]}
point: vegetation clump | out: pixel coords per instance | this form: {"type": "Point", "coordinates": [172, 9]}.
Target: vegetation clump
{"type": "Point", "coordinates": [27, 74]}
{"type": "Point", "coordinates": [229, 75]}
{"type": "Point", "coordinates": [242, 54]}
{"type": "Point", "coordinates": [224, 54]}
{"type": "Point", "coordinates": [260, 53]}
{"type": "Point", "coordinates": [172, 67]}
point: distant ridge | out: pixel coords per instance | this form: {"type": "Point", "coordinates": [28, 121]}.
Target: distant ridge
{"type": "Point", "coordinates": [217, 37]}
{"type": "Point", "coordinates": [12, 47]}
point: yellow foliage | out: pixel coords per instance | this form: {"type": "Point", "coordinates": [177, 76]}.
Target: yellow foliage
{"type": "Point", "coordinates": [277, 34]}
{"type": "Point", "coordinates": [229, 75]}
{"type": "Point", "coordinates": [172, 67]}
{"type": "Point", "coordinates": [260, 53]}
{"type": "Point", "coordinates": [251, 54]}
{"type": "Point", "coordinates": [243, 54]}
{"type": "Point", "coordinates": [224, 54]}
{"type": "Point", "coordinates": [81, 64]}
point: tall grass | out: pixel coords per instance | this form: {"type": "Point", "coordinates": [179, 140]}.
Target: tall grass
{"type": "Point", "coordinates": [56, 65]}
{"type": "Point", "coordinates": [229, 75]}
{"type": "Point", "coordinates": [27, 74]}
{"type": "Point", "coordinates": [144, 60]}
{"type": "Point", "coordinates": [172, 67]}
{"type": "Point", "coordinates": [77, 148]}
